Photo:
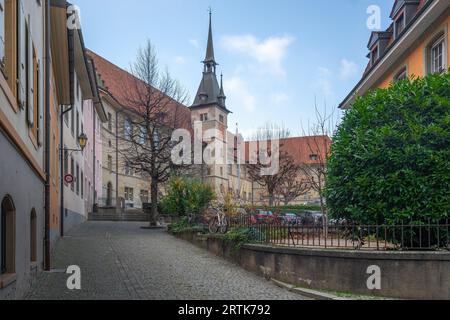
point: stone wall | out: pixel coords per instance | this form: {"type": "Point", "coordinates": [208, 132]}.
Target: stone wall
{"type": "Point", "coordinates": [404, 275]}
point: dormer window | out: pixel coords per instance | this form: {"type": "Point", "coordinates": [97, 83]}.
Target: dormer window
{"type": "Point", "coordinates": [313, 157]}
{"type": "Point", "coordinates": [374, 55]}
{"type": "Point", "coordinates": [400, 25]}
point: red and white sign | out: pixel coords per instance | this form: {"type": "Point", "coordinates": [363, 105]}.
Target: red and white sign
{"type": "Point", "coordinates": [69, 179]}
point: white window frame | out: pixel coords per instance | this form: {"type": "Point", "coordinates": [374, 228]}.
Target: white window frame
{"type": "Point", "coordinates": [433, 47]}
{"type": "Point", "coordinates": [400, 72]}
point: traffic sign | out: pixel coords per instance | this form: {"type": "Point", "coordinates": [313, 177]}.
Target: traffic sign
{"type": "Point", "coordinates": [69, 179]}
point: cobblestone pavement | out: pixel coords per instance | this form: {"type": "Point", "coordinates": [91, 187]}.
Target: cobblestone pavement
{"type": "Point", "coordinates": [122, 261]}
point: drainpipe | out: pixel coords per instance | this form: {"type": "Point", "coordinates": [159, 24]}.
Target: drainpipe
{"type": "Point", "coordinates": [117, 157]}
{"type": "Point", "coordinates": [62, 113]}
{"type": "Point", "coordinates": [47, 250]}
{"type": "Point", "coordinates": [94, 155]}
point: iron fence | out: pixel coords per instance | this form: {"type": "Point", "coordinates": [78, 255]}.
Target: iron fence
{"type": "Point", "coordinates": [433, 235]}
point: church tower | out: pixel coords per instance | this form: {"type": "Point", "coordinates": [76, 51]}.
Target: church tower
{"type": "Point", "coordinates": [210, 94]}
{"type": "Point", "coordinates": [210, 109]}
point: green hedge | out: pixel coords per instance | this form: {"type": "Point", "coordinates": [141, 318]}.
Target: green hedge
{"type": "Point", "coordinates": [292, 208]}
{"type": "Point", "coordinates": [391, 155]}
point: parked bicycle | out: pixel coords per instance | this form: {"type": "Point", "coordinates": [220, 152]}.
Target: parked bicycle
{"type": "Point", "coordinates": [219, 222]}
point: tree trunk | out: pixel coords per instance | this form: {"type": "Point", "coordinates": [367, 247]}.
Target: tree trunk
{"type": "Point", "coordinates": [325, 217]}
{"type": "Point", "coordinates": [271, 199]}
{"type": "Point", "coordinates": [154, 208]}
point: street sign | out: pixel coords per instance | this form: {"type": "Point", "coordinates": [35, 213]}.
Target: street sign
{"type": "Point", "coordinates": [69, 179]}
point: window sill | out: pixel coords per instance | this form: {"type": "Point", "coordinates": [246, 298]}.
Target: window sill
{"type": "Point", "coordinates": [9, 94]}
{"type": "Point", "coordinates": [7, 279]}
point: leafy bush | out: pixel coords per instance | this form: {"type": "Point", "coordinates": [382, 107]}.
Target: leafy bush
{"type": "Point", "coordinates": [390, 156]}
{"type": "Point", "coordinates": [183, 226]}
{"type": "Point", "coordinates": [240, 236]}
{"type": "Point", "coordinates": [186, 196]}
{"type": "Point", "coordinates": [291, 208]}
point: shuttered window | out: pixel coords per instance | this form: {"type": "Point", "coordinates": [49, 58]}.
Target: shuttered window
{"type": "Point", "coordinates": [2, 34]}
{"type": "Point", "coordinates": [30, 78]}
{"type": "Point", "coordinates": [22, 57]}
{"type": "Point", "coordinates": [8, 27]}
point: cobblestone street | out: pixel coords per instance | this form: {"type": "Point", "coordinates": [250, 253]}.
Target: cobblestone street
{"type": "Point", "coordinates": [122, 261]}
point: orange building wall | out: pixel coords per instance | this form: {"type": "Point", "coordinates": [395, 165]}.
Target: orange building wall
{"type": "Point", "coordinates": [414, 60]}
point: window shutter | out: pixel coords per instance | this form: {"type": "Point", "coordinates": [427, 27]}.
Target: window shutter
{"type": "Point", "coordinates": [22, 56]}
{"type": "Point", "coordinates": [39, 109]}
{"type": "Point", "coordinates": [2, 33]}
{"type": "Point", "coordinates": [30, 79]}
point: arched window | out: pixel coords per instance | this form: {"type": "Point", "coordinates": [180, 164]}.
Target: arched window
{"type": "Point", "coordinates": [33, 236]}
{"type": "Point", "coordinates": [7, 236]}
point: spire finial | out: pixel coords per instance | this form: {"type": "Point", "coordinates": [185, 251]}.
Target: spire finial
{"type": "Point", "coordinates": [210, 48]}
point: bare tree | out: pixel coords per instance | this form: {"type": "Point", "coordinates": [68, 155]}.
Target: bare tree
{"type": "Point", "coordinates": [319, 146]}
{"type": "Point", "coordinates": [287, 167]}
{"type": "Point", "coordinates": [154, 110]}
{"type": "Point", "coordinates": [292, 188]}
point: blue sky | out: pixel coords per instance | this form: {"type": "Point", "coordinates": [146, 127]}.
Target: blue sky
{"type": "Point", "coordinates": [276, 55]}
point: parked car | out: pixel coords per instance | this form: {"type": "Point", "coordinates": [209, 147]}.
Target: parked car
{"type": "Point", "coordinates": [290, 218]}
{"type": "Point", "coordinates": [310, 218]}
{"type": "Point", "coordinates": [265, 216]}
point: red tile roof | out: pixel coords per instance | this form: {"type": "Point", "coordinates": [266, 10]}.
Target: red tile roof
{"type": "Point", "coordinates": [121, 85]}
{"type": "Point", "coordinates": [302, 148]}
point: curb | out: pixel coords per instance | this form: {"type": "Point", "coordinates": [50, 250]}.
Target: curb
{"type": "Point", "coordinates": [309, 293]}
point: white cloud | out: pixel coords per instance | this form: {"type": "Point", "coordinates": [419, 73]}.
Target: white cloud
{"type": "Point", "coordinates": [348, 70]}
{"type": "Point", "coordinates": [180, 60]}
{"type": "Point", "coordinates": [269, 53]}
{"type": "Point", "coordinates": [279, 98]}
{"type": "Point", "coordinates": [323, 82]}
{"type": "Point", "coordinates": [239, 94]}
{"type": "Point", "coordinates": [194, 42]}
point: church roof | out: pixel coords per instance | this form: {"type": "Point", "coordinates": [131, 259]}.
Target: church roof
{"type": "Point", "coordinates": [209, 91]}
{"type": "Point", "coordinates": [210, 48]}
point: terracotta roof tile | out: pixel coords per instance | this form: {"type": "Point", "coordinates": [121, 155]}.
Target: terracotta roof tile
{"type": "Point", "coordinates": [302, 148]}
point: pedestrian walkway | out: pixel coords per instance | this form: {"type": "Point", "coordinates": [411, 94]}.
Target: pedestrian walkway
{"type": "Point", "coordinates": [119, 260]}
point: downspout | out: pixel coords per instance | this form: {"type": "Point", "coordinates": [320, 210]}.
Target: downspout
{"type": "Point", "coordinates": [63, 112]}
{"type": "Point", "coordinates": [94, 135]}
{"type": "Point", "coordinates": [47, 249]}
{"type": "Point", "coordinates": [117, 158]}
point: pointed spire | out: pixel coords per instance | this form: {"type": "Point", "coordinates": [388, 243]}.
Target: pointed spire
{"type": "Point", "coordinates": [210, 48]}
{"type": "Point", "coordinates": [221, 97]}
{"type": "Point", "coordinates": [222, 93]}
{"type": "Point", "coordinates": [210, 92]}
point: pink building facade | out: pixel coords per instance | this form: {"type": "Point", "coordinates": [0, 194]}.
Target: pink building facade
{"type": "Point", "coordinates": [94, 116]}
